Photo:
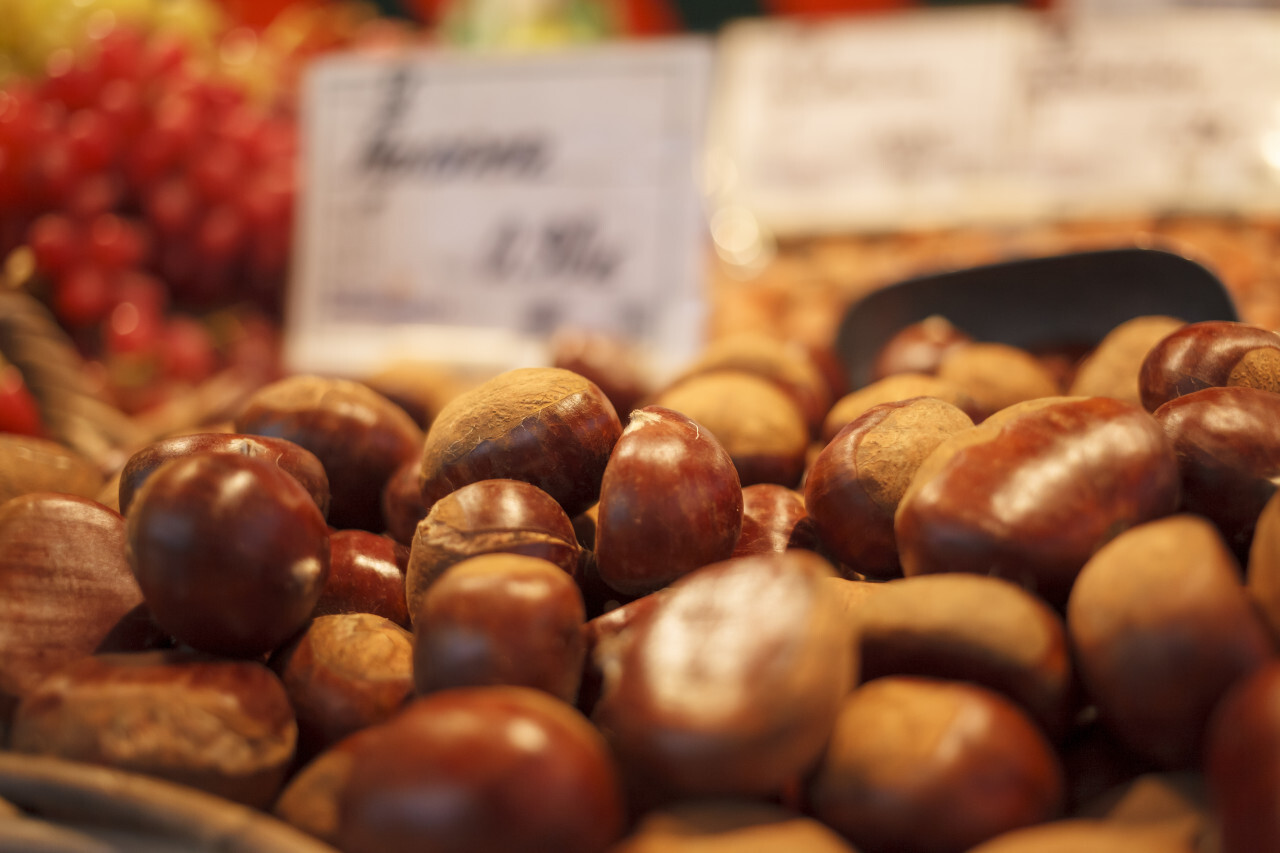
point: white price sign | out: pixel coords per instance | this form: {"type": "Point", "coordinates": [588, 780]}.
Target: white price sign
{"type": "Point", "coordinates": [461, 208]}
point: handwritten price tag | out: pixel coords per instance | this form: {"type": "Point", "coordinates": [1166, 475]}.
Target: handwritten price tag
{"type": "Point", "coordinates": [461, 208]}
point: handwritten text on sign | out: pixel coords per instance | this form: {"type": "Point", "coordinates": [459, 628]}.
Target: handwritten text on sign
{"type": "Point", "coordinates": [461, 208]}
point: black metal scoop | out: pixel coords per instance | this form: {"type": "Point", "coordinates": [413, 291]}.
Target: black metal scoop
{"type": "Point", "coordinates": [1063, 300]}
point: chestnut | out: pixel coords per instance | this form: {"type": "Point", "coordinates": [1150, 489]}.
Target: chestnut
{"type": "Point", "coordinates": [309, 800]}
{"type": "Point", "coordinates": [774, 519]}
{"type": "Point", "coordinates": [366, 575]}
{"type": "Point", "coordinates": [918, 765]}
{"type": "Point", "coordinates": [1263, 569]}
{"type": "Point", "coordinates": [402, 504]}
{"type": "Point", "coordinates": [1161, 627]}
{"type": "Point", "coordinates": [343, 673]}
{"type": "Point", "coordinates": [608, 361]}
{"type": "Point", "coordinates": [1208, 354]}
{"type": "Point", "coordinates": [1033, 492]}
{"type": "Point", "coordinates": [500, 619]}
{"type": "Point", "coordinates": [230, 551]}
{"type": "Point", "coordinates": [299, 462]}
{"type": "Point", "coordinates": [1242, 762]}
{"type": "Point", "coordinates": [29, 464]}
{"type": "Point", "coordinates": [1099, 836]}
{"type": "Point", "coordinates": [481, 769]}
{"type": "Point", "coordinates": [997, 375]}
{"type": "Point", "coordinates": [918, 347]}
{"type": "Point", "coordinates": [855, 483]}
{"type": "Point", "coordinates": [548, 427]}
{"type": "Point", "coordinates": [1228, 450]}
{"type": "Point", "coordinates": [730, 683]}
{"type": "Point", "coordinates": [1111, 369]}
{"type": "Point", "coordinates": [485, 517]}
{"type": "Point", "coordinates": [727, 825]}
{"type": "Point", "coordinates": [65, 586]}
{"type": "Point", "coordinates": [891, 389]}
{"type": "Point", "coordinates": [223, 726]}
{"type": "Point", "coordinates": [359, 436]}
{"type": "Point", "coordinates": [670, 501]}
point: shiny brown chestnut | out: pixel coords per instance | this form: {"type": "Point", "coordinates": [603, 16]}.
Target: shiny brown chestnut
{"type": "Point", "coordinates": [1161, 628]}
{"type": "Point", "coordinates": [918, 347]}
{"type": "Point", "coordinates": [603, 630]}
{"type": "Point", "coordinates": [65, 586]}
{"type": "Point", "coordinates": [1242, 762]}
{"type": "Point", "coordinates": [1228, 449]}
{"type": "Point", "coordinates": [920, 765]}
{"type": "Point", "coordinates": [1209, 354]}
{"type": "Point", "coordinates": [548, 427]}
{"type": "Point", "coordinates": [299, 462]}
{"type": "Point", "coordinates": [225, 727]}
{"type": "Point", "coordinates": [480, 769]}
{"type": "Point", "coordinates": [670, 501]}
{"type": "Point", "coordinates": [359, 436]}
{"type": "Point", "coordinates": [486, 517]}
{"type": "Point", "coordinates": [729, 685]}
{"type": "Point", "coordinates": [343, 673]}
{"type": "Point", "coordinates": [230, 551]}
{"type": "Point", "coordinates": [500, 619]}
{"type": "Point", "coordinates": [759, 426]}
{"type": "Point", "coordinates": [29, 464]}
{"type": "Point", "coordinates": [774, 519]}
{"type": "Point", "coordinates": [366, 575]}
{"type": "Point", "coordinates": [309, 800]}
{"type": "Point", "coordinates": [402, 504]}
{"type": "Point", "coordinates": [1033, 492]}
{"type": "Point", "coordinates": [608, 361]}
{"type": "Point", "coordinates": [854, 485]}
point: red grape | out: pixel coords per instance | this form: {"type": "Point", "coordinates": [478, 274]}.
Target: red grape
{"type": "Point", "coordinates": [18, 410]}
{"type": "Point", "coordinates": [56, 242]}
{"type": "Point", "coordinates": [93, 140]}
{"type": "Point", "coordinates": [132, 329]}
{"type": "Point", "coordinates": [172, 206]}
{"type": "Point", "coordinates": [97, 194]}
{"type": "Point", "coordinates": [188, 353]}
{"type": "Point", "coordinates": [216, 170]}
{"type": "Point", "coordinates": [82, 296]}
{"type": "Point", "coordinates": [116, 243]}
{"type": "Point", "coordinates": [68, 80]}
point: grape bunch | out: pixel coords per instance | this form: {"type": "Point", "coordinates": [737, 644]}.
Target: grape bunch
{"type": "Point", "coordinates": [150, 190]}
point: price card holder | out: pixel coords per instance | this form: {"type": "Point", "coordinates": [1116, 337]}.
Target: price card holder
{"type": "Point", "coordinates": [460, 208]}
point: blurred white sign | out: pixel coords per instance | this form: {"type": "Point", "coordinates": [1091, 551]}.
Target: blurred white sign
{"type": "Point", "coordinates": [460, 208]}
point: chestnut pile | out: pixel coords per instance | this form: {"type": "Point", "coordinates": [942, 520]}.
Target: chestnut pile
{"type": "Point", "coordinates": [993, 601]}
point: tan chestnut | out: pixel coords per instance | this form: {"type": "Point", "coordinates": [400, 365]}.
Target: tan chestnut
{"type": "Point", "coordinates": [342, 673]}
{"type": "Point", "coordinates": [670, 501]}
{"type": "Point", "coordinates": [919, 765]}
{"type": "Point", "coordinates": [1263, 575]}
{"type": "Point", "coordinates": [500, 619]}
{"type": "Point", "coordinates": [1161, 628]}
{"type": "Point", "coordinates": [891, 389]}
{"type": "Point", "coordinates": [29, 464]}
{"type": "Point", "coordinates": [309, 800]}
{"type": "Point", "coordinates": [486, 517]}
{"type": "Point", "coordinates": [729, 826]}
{"type": "Point", "coordinates": [1031, 493]}
{"type": "Point", "coordinates": [225, 727]}
{"type": "Point", "coordinates": [65, 586]}
{"type": "Point", "coordinates": [854, 485]}
{"type": "Point", "coordinates": [971, 628]}
{"type": "Point", "coordinates": [482, 769]}
{"type": "Point", "coordinates": [1098, 836]}
{"type": "Point", "coordinates": [730, 683]}
{"type": "Point", "coordinates": [1209, 354]}
{"type": "Point", "coordinates": [1112, 368]}
{"type": "Point", "coordinates": [359, 436]}
{"type": "Point", "coordinates": [997, 375]}
{"type": "Point", "coordinates": [545, 426]}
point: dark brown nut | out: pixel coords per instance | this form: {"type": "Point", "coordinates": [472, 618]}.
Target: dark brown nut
{"type": "Point", "coordinates": [366, 575]}
{"type": "Point", "coordinates": [343, 673]}
{"type": "Point", "coordinates": [30, 464]}
{"type": "Point", "coordinates": [1210, 354]}
{"type": "Point", "coordinates": [670, 501]}
{"type": "Point", "coordinates": [970, 628]}
{"type": "Point", "coordinates": [309, 801]}
{"type": "Point", "coordinates": [608, 361]}
{"type": "Point", "coordinates": [920, 765]}
{"type": "Point", "coordinates": [1228, 449]}
{"type": "Point", "coordinates": [488, 517]}
{"type": "Point", "coordinates": [422, 389]}
{"type": "Point", "coordinates": [500, 619]}
{"type": "Point", "coordinates": [730, 684]}
{"type": "Point", "coordinates": [548, 427]}
{"type": "Point", "coordinates": [1098, 836]}
{"type": "Point", "coordinates": [1242, 763]}
{"type": "Point", "coordinates": [787, 364]}
{"type": "Point", "coordinates": [773, 520]}
{"type": "Point", "coordinates": [230, 551]}
{"type": "Point", "coordinates": [1161, 628]}
{"type": "Point", "coordinates": [482, 769]}
{"type": "Point", "coordinates": [65, 586]}
{"type": "Point", "coordinates": [918, 347]}
{"type": "Point", "coordinates": [1263, 576]}
{"type": "Point", "coordinates": [759, 426]}
{"type": "Point", "coordinates": [729, 826]}
{"type": "Point", "coordinates": [1031, 494]}
{"type": "Point", "coordinates": [294, 459]}
{"type": "Point", "coordinates": [997, 375]}
{"type": "Point", "coordinates": [891, 389]}
{"type": "Point", "coordinates": [606, 628]}
{"type": "Point", "coordinates": [225, 727]}
{"type": "Point", "coordinates": [1112, 368]}
{"type": "Point", "coordinates": [402, 504]}
{"type": "Point", "coordinates": [853, 488]}
{"type": "Point", "coordinates": [359, 436]}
